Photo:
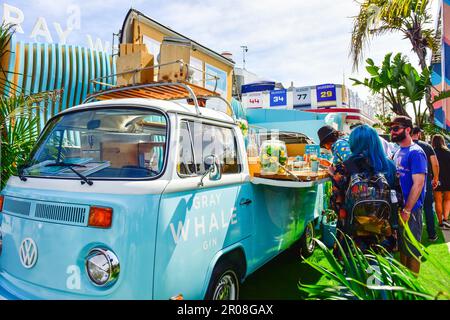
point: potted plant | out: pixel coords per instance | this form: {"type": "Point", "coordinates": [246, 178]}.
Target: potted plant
{"type": "Point", "coordinates": [329, 222]}
{"type": "Point", "coordinates": [243, 125]}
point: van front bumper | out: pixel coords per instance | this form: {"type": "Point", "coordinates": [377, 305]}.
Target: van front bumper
{"type": "Point", "coordinates": [6, 295]}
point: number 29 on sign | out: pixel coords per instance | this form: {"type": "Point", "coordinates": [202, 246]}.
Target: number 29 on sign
{"type": "Point", "coordinates": [326, 94]}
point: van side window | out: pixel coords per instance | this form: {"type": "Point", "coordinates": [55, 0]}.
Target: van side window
{"type": "Point", "coordinates": [214, 140]}
{"type": "Point", "coordinates": [185, 163]}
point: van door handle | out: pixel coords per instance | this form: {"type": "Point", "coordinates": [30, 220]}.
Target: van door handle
{"type": "Point", "coordinates": [245, 202]}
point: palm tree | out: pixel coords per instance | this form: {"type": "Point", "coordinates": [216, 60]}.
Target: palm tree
{"type": "Point", "coordinates": [412, 18]}
{"type": "Point", "coordinates": [409, 17]}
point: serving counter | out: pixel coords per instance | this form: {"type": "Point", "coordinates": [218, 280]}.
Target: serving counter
{"type": "Point", "coordinates": [306, 179]}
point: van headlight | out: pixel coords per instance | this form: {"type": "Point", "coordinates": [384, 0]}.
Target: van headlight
{"type": "Point", "coordinates": [102, 267]}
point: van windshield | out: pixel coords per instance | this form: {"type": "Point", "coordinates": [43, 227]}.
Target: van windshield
{"type": "Point", "coordinates": [112, 143]}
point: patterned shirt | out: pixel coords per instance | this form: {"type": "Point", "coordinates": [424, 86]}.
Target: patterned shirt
{"type": "Point", "coordinates": [341, 150]}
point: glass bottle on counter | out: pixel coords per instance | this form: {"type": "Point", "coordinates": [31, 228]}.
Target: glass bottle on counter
{"type": "Point", "coordinates": [252, 148]}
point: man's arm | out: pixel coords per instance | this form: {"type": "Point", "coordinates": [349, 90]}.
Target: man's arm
{"type": "Point", "coordinates": [416, 190]}
{"type": "Point", "coordinates": [435, 166]}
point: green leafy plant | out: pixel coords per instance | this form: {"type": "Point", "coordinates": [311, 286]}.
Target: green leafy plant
{"type": "Point", "coordinates": [411, 18]}
{"type": "Point", "coordinates": [368, 276]}
{"type": "Point", "coordinates": [382, 119]}
{"type": "Point", "coordinates": [330, 216]}
{"type": "Point", "coordinates": [19, 115]}
{"type": "Point", "coordinates": [18, 129]}
{"type": "Point", "coordinates": [399, 83]}
{"type": "Point", "coordinates": [243, 125]}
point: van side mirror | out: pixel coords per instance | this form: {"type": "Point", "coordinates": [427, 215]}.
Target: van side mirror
{"type": "Point", "coordinates": [214, 169]}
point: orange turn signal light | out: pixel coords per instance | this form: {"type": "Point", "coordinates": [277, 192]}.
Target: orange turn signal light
{"type": "Point", "coordinates": [100, 217]}
{"type": "Point", "coordinates": [2, 198]}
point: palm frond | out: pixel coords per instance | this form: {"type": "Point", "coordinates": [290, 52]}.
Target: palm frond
{"type": "Point", "coordinates": [378, 17]}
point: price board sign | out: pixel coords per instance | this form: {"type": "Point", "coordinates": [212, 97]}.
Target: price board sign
{"type": "Point", "coordinates": [302, 97]}
{"type": "Point", "coordinates": [278, 98]}
{"type": "Point", "coordinates": [326, 92]}
{"type": "Point", "coordinates": [253, 100]}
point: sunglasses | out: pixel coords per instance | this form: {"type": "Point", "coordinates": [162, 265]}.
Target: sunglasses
{"type": "Point", "coordinates": [396, 128]}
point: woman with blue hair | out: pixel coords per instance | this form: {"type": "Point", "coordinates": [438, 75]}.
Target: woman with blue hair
{"type": "Point", "coordinates": [366, 146]}
{"type": "Point", "coordinates": [367, 157]}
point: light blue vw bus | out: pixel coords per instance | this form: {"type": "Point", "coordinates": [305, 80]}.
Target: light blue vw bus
{"type": "Point", "coordinates": [145, 199]}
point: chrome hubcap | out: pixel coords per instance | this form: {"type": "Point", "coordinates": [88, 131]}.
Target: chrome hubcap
{"type": "Point", "coordinates": [226, 288]}
{"type": "Point", "coordinates": [309, 237]}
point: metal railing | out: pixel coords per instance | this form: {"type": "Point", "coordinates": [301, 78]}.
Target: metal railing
{"type": "Point", "coordinates": [116, 88]}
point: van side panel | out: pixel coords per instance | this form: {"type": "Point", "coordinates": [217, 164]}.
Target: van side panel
{"type": "Point", "coordinates": [193, 226]}
{"type": "Point", "coordinates": [280, 217]}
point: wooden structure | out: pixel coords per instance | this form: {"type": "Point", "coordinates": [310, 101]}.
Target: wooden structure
{"type": "Point", "coordinates": [132, 57]}
{"type": "Point", "coordinates": [160, 90]}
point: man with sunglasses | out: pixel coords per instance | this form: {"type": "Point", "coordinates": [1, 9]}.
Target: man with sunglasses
{"type": "Point", "coordinates": [411, 163]}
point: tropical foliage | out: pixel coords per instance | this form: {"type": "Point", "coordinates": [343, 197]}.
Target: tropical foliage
{"type": "Point", "coordinates": [372, 275]}
{"type": "Point", "coordinates": [19, 118]}
{"type": "Point", "coordinates": [19, 115]}
{"type": "Point", "coordinates": [382, 119]}
{"type": "Point", "coordinates": [399, 83]}
{"type": "Point", "coordinates": [411, 18]}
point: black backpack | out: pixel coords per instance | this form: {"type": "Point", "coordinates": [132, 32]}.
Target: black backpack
{"type": "Point", "coordinates": [369, 200]}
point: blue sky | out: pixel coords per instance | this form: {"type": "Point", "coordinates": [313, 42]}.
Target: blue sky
{"type": "Point", "coordinates": [303, 41]}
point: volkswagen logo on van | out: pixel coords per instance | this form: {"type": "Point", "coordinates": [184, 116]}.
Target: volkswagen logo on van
{"type": "Point", "coordinates": [28, 253]}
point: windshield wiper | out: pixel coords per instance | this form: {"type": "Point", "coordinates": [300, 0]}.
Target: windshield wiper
{"type": "Point", "coordinates": [71, 167]}
{"type": "Point", "coordinates": [22, 167]}
{"type": "Point", "coordinates": [20, 172]}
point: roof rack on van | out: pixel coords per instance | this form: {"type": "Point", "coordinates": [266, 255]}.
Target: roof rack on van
{"type": "Point", "coordinates": [162, 90]}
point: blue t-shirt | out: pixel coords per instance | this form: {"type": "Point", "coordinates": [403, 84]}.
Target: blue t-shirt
{"type": "Point", "coordinates": [411, 160]}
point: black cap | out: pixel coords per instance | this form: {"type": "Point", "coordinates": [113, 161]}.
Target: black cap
{"type": "Point", "coordinates": [324, 133]}
{"type": "Point", "coordinates": [401, 120]}
{"type": "Point", "coordinates": [416, 130]}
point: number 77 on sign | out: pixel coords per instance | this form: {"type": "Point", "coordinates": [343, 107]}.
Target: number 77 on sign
{"type": "Point", "coordinates": [302, 97]}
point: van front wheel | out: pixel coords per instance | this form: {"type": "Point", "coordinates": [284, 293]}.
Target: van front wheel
{"type": "Point", "coordinates": [224, 284]}
{"type": "Point", "coordinates": [307, 243]}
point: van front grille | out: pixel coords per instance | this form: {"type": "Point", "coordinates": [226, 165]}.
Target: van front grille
{"type": "Point", "coordinates": [71, 214]}
{"type": "Point", "coordinates": [13, 206]}
{"type": "Point", "coordinates": [62, 213]}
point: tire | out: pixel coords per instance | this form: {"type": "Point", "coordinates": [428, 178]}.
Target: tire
{"type": "Point", "coordinates": [307, 244]}
{"type": "Point", "coordinates": [224, 283]}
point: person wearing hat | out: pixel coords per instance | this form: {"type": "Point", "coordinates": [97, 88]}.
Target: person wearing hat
{"type": "Point", "coordinates": [335, 141]}
{"type": "Point", "coordinates": [411, 165]}
{"type": "Point", "coordinates": [431, 183]}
